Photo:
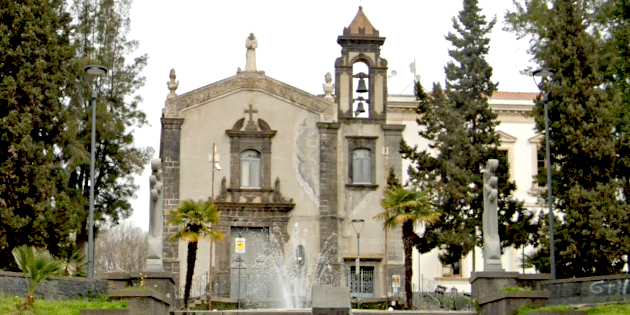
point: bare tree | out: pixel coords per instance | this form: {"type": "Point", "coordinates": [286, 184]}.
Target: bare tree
{"type": "Point", "coordinates": [122, 248]}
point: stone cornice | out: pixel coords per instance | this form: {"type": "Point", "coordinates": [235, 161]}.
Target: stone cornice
{"type": "Point", "coordinates": [265, 207]}
{"type": "Point", "coordinates": [393, 129]}
{"type": "Point", "coordinates": [499, 109]}
{"type": "Point", "coordinates": [252, 81]}
{"type": "Point", "coordinates": [172, 123]}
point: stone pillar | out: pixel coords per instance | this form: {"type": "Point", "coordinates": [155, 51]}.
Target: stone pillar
{"type": "Point", "coordinates": [393, 136]}
{"type": "Point", "coordinates": [169, 154]}
{"type": "Point", "coordinates": [328, 192]}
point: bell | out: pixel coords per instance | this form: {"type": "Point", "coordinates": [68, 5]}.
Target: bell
{"type": "Point", "coordinates": [362, 88]}
{"type": "Point", "coordinates": [360, 109]}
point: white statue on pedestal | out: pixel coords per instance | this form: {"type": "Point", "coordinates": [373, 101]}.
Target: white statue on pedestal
{"type": "Point", "coordinates": [491, 240]}
{"type": "Point", "coordinates": [156, 218]}
{"type": "Point", "coordinates": [251, 44]}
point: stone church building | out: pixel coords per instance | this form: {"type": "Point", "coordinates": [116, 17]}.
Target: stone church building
{"type": "Point", "coordinates": [289, 160]}
{"type": "Point", "coordinates": [296, 170]}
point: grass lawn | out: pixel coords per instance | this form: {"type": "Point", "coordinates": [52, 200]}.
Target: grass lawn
{"type": "Point", "coordinates": [8, 306]}
{"type": "Point", "coordinates": [614, 309]}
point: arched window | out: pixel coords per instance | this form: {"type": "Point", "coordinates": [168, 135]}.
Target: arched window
{"type": "Point", "coordinates": [250, 169]}
{"type": "Point", "coordinates": [361, 166]}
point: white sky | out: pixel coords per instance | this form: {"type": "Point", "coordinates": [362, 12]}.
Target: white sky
{"type": "Point", "coordinates": [204, 41]}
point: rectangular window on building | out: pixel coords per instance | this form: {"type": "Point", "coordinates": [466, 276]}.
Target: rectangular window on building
{"type": "Point", "coordinates": [361, 166]}
{"type": "Point", "coordinates": [395, 246]}
{"type": "Point", "coordinates": [452, 270]}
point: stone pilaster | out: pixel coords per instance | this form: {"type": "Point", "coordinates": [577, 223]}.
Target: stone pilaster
{"type": "Point", "coordinates": [328, 196]}
{"type": "Point", "coordinates": [170, 155]}
{"type": "Point", "coordinates": [393, 136]}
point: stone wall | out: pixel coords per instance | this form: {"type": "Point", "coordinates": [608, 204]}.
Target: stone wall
{"type": "Point", "coordinates": [14, 283]}
{"type": "Point", "coordinates": [588, 290]}
{"type": "Point", "coordinates": [510, 302]}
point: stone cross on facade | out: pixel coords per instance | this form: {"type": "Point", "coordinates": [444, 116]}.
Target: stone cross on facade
{"type": "Point", "coordinates": [251, 125]}
{"type": "Point", "coordinates": [491, 240]}
{"type": "Point", "coordinates": [156, 218]}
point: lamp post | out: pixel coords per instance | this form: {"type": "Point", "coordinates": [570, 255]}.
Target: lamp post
{"type": "Point", "coordinates": [94, 70]}
{"type": "Point", "coordinates": [239, 259]}
{"type": "Point", "coordinates": [545, 73]}
{"type": "Point", "coordinates": [214, 160]}
{"type": "Point", "coordinates": [300, 257]}
{"type": "Point", "coordinates": [357, 224]}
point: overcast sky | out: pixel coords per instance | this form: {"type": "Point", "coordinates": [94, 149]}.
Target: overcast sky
{"type": "Point", "coordinates": [204, 41]}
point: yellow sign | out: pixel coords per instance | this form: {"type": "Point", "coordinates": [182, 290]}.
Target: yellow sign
{"type": "Point", "coordinates": [240, 245]}
{"type": "Point", "coordinates": [396, 281]}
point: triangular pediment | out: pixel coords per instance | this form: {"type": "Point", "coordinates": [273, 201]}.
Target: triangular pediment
{"type": "Point", "coordinates": [249, 81]}
{"type": "Point", "coordinates": [506, 137]}
{"type": "Point", "coordinates": [537, 138]}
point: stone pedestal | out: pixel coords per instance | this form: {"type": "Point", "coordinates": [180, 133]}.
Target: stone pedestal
{"type": "Point", "coordinates": [330, 301]}
{"type": "Point", "coordinates": [162, 282]}
{"type": "Point", "coordinates": [486, 284]}
{"type": "Point", "coordinates": [143, 302]}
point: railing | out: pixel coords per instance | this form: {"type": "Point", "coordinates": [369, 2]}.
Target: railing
{"type": "Point", "coordinates": [198, 289]}
{"type": "Point", "coordinates": [365, 286]}
{"type": "Point", "coordinates": [433, 296]}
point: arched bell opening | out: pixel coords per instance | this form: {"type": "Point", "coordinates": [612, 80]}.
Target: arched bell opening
{"type": "Point", "coordinates": [361, 90]}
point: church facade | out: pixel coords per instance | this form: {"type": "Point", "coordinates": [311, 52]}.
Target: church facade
{"type": "Point", "coordinates": [300, 175]}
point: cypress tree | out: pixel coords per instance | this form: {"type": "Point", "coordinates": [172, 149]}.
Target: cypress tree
{"type": "Point", "coordinates": [35, 70]}
{"type": "Point", "coordinates": [588, 135]}
{"type": "Point", "coordinates": [462, 129]}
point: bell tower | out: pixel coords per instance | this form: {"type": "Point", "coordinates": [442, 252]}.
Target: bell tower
{"type": "Point", "coordinates": [361, 74]}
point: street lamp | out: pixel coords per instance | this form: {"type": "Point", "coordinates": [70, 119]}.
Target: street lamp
{"type": "Point", "coordinates": [300, 257]}
{"type": "Point", "coordinates": [94, 70]}
{"type": "Point", "coordinates": [239, 259]}
{"type": "Point", "coordinates": [214, 160]}
{"type": "Point", "coordinates": [545, 73]}
{"type": "Point", "coordinates": [357, 224]}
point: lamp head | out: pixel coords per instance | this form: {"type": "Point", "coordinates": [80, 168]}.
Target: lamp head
{"type": "Point", "coordinates": [95, 70]}
{"type": "Point", "coordinates": [544, 72]}
{"type": "Point", "coordinates": [357, 224]}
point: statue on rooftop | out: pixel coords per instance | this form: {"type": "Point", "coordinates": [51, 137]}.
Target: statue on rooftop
{"type": "Point", "coordinates": [251, 44]}
{"type": "Point", "coordinates": [329, 87]}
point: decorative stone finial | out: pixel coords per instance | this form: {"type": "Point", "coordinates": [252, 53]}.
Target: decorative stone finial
{"type": "Point", "coordinates": [171, 84]}
{"type": "Point", "coordinates": [251, 43]}
{"type": "Point", "coordinates": [329, 87]}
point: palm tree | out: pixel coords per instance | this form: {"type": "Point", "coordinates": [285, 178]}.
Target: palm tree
{"type": "Point", "coordinates": [406, 207]}
{"type": "Point", "coordinates": [38, 264]}
{"type": "Point", "coordinates": [194, 220]}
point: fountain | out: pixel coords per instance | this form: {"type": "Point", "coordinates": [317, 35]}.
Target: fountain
{"type": "Point", "coordinates": [283, 275]}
